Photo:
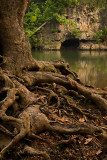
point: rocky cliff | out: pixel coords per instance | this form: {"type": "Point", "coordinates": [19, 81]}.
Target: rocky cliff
{"type": "Point", "coordinates": [55, 35]}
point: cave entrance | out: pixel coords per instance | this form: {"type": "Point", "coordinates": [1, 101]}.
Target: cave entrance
{"type": "Point", "coordinates": [71, 43]}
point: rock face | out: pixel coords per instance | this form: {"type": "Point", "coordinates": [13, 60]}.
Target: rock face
{"type": "Point", "coordinates": [55, 36]}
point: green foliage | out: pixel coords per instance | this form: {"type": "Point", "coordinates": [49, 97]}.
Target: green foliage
{"type": "Point", "coordinates": [75, 32]}
{"type": "Point", "coordinates": [32, 21]}
{"type": "Point", "coordinates": [48, 69]}
{"type": "Point", "coordinates": [95, 3]}
{"type": "Point", "coordinates": [2, 156]}
{"type": "Point", "coordinates": [99, 36]}
{"type": "Point", "coordinates": [48, 42]}
{"type": "Point", "coordinates": [53, 30]}
{"type": "Point", "coordinates": [105, 30]}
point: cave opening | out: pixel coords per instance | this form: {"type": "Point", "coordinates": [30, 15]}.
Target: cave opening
{"type": "Point", "coordinates": [71, 43]}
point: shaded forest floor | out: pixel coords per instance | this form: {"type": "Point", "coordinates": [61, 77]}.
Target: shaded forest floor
{"type": "Point", "coordinates": [69, 112]}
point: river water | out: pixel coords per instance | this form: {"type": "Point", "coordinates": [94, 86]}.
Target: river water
{"type": "Point", "coordinates": [91, 66]}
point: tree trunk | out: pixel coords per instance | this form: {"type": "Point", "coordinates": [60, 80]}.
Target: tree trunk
{"type": "Point", "coordinates": [15, 45]}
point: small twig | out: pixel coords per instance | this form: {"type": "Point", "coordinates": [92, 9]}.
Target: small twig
{"type": "Point", "coordinates": [62, 142]}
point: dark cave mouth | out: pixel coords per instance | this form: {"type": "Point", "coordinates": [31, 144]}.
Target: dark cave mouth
{"type": "Point", "coordinates": [71, 43]}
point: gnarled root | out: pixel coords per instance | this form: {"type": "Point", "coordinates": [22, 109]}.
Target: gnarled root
{"type": "Point", "coordinates": [31, 121]}
{"type": "Point", "coordinates": [24, 129]}
{"type": "Point", "coordinates": [13, 143]}
{"type": "Point", "coordinates": [9, 100]}
{"type": "Point", "coordinates": [81, 129]}
{"type": "Point", "coordinates": [32, 151]}
{"type": "Point", "coordinates": [52, 98]}
{"type": "Point", "coordinates": [70, 84]}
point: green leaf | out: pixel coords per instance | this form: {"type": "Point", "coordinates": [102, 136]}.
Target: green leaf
{"type": "Point", "coordinates": [33, 18]}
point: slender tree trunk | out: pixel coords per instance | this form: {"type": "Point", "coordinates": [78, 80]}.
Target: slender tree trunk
{"type": "Point", "coordinates": [15, 45]}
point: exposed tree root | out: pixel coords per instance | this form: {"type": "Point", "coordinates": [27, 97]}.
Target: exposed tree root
{"type": "Point", "coordinates": [60, 65]}
{"type": "Point", "coordinates": [29, 120]}
{"type": "Point", "coordinates": [53, 97]}
{"type": "Point", "coordinates": [32, 115]}
{"type": "Point", "coordinates": [46, 77]}
{"type": "Point", "coordinates": [77, 109]}
{"type": "Point", "coordinates": [32, 151]}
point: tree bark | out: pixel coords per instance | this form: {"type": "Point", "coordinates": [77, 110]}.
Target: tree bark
{"type": "Point", "coordinates": [16, 50]}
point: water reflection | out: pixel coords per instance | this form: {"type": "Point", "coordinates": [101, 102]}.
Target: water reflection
{"type": "Point", "coordinates": [46, 55]}
{"type": "Point", "coordinates": [90, 66]}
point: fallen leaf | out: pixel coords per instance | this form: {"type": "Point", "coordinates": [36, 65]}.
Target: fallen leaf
{"type": "Point", "coordinates": [79, 142]}
{"type": "Point", "coordinates": [81, 119]}
{"type": "Point", "coordinates": [74, 136]}
{"type": "Point", "coordinates": [67, 149]}
{"type": "Point", "coordinates": [88, 140]}
{"type": "Point", "coordinates": [63, 119]}
{"type": "Point", "coordinates": [98, 152]}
